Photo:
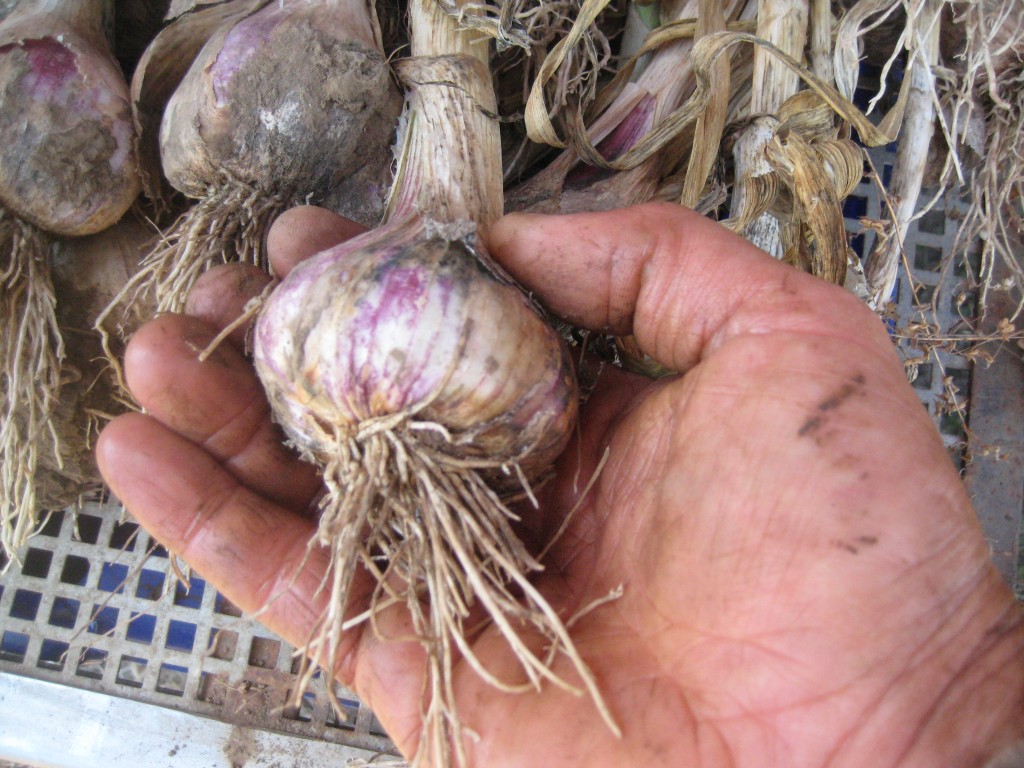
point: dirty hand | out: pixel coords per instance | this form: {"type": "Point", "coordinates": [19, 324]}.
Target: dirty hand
{"type": "Point", "coordinates": [804, 581]}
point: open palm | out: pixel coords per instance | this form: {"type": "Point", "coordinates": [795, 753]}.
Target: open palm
{"type": "Point", "coordinates": [803, 579]}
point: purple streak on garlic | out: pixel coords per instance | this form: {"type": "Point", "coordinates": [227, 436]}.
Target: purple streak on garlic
{"type": "Point", "coordinates": [374, 328]}
{"type": "Point", "coordinates": [51, 66]}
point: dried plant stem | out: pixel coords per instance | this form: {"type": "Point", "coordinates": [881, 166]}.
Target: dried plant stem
{"type": "Point", "coordinates": [784, 23]}
{"type": "Point", "coordinates": [821, 24]}
{"type": "Point", "coordinates": [708, 130]}
{"type": "Point", "coordinates": [633, 112]}
{"type": "Point", "coordinates": [755, 186]}
{"type": "Point", "coordinates": [848, 48]}
{"type": "Point", "coordinates": [32, 353]}
{"type": "Point", "coordinates": [883, 262]}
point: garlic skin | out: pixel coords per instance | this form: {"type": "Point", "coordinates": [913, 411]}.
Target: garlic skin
{"type": "Point", "coordinates": [295, 98]}
{"type": "Point", "coordinates": [80, 174]}
{"type": "Point", "coordinates": [416, 327]}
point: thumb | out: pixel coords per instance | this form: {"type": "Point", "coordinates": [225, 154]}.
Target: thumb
{"type": "Point", "coordinates": [680, 283]}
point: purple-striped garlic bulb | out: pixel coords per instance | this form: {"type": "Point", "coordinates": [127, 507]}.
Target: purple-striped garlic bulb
{"type": "Point", "coordinates": [410, 327]}
{"type": "Point", "coordinates": [67, 167]}
{"type": "Point", "coordinates": [431, 392]}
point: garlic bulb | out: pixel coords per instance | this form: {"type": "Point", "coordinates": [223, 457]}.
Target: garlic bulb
{"type": "Point", "coordinates": [416, 328]}
{"type": "Point", "coordinates": [431, 393]}
{"type": "Point", "coordinates": [253, 109]}
{"type": "Point", "coordinates": [67, 161]}
{"type": "Point", "coordinates": [289, 104]}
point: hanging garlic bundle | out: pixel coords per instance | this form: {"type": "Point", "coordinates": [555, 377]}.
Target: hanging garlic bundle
{"type": "Point", "coordinates": [430, 391]}
{"type": "Point", "coordinates": [254, 128]}
{"type": "Point", "coordinates": [67, 167]}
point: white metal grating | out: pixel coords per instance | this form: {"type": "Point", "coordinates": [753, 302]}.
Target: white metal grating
{"type": "Point", "coordinates": [96, 606]}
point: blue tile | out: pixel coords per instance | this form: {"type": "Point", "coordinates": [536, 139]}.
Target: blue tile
{"type": "Point", "coordinates": [112, 577]}
{"type": "Point", "coordinates": [181, 635]}
{"type": "Point", "coordinates": [141, 627]}
{"type": "Point", "coordinates": [53, 654]}
{"type": "Point", "coordinates": [103, 620]}
{"type": "Point", "coordinates": [191, 597]}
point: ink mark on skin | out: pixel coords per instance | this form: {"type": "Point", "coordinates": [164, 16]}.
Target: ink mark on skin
{"type": "Point", "coordinates": [854, 546]}
{"type": "Point", "coordinates": [809, 426]}
{"type": "Point", "coordinates": [814, 423]}
{"type": "Point", "coordinates": [844, 394]}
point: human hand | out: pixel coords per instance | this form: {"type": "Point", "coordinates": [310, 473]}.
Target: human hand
{"type": "Point", "coordinates": [805, 583]}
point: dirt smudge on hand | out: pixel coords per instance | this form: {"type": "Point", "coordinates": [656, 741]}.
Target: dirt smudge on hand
{"type": "Point", "coordinates": [813, 424]}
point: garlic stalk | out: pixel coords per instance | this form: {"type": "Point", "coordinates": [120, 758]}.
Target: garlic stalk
{"type": "Point", "coordinates": [564, 186]}
{"type": "Point", "coordinates": [882, 264]}
{"type": "Point", "coordinates": [821, 25]}
{"type": "Point", "coordinates": [784, 24]}
{"type": "Point", "coordinates": [709, 126]}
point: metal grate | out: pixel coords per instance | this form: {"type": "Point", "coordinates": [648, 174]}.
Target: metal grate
{"type": "Point", "coordinates": [937, 294]}
{"type": "Point", "coordinates": [95, 605]}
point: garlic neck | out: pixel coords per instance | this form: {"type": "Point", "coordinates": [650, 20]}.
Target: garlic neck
{"type": "Point", "coordinates": [450, 164]}
{"type": "Point", "coordinates": [435, 33]}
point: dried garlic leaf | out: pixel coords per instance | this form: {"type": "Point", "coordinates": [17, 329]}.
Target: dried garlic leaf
{"type": "Point", "coordinates": [538, 124]}
{"type": "Point", "coordinates": [705, 52]}
{"type": "Point", "coordinates": [707, 135]}
{"type": "Point", "coordinates": [817, 205]}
